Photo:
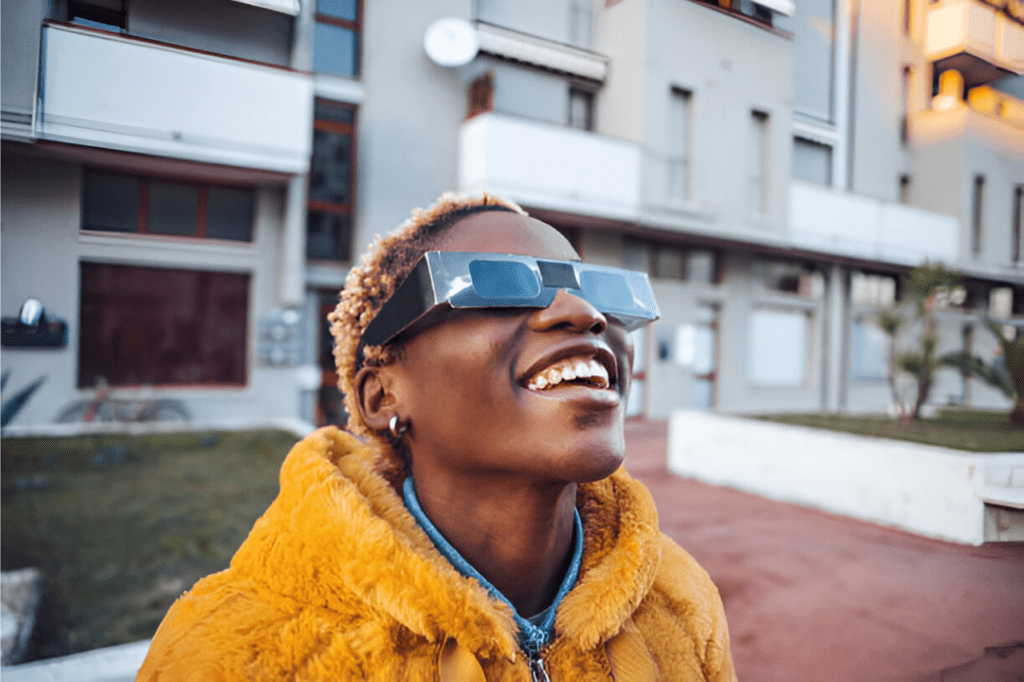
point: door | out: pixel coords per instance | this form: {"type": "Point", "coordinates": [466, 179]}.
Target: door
{"type": "Point", "coordinates": [703, 384]}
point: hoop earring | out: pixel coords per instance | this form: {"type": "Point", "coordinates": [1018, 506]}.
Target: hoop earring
{"type": "Point", "coordinates": [397, 430]}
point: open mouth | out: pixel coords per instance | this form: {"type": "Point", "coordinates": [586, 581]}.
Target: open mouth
{"type": "Point", "coordinates": [572, 371]}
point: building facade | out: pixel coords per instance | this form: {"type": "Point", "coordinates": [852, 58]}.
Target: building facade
{"type": "Point", "coordinates": [187, 187]}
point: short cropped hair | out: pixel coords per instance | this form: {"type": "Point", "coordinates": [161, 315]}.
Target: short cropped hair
{"type": "Point", "coordinates": [384, 266]}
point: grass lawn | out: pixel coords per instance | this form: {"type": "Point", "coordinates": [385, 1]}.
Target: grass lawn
{"type": "Point", "coordinates": [121, 525]}
{"type": "Point", "coordinates": [972, 430]}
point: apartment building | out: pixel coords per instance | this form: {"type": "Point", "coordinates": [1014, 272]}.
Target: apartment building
{"type": "Point", "coordinates": [187, 186]}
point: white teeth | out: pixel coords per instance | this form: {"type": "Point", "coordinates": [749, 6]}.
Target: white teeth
{"type": "Point", "coordinates": [569, 370]}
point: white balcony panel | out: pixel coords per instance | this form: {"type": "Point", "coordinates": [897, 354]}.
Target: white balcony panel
{"type": "Point", "coordinates": [117, 93]}
{"type": "Point", "coordinates": [837, 222]}
{"type": "Point", "coordinates": [549, 166]}
{"type": "Point", "coordinates": [978, 29]}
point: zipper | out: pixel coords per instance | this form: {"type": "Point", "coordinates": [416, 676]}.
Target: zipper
{"type": "Point", "coordinates": [537, 671]}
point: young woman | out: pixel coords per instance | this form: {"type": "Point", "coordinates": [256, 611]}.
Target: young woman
{"type": "Point", "coordinates": [474, 523]}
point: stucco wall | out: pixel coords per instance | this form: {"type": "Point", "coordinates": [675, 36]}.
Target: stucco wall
{"type": "Point", "coordinates": [19, 60]}
{"type": "Point", "coordinates": [42, 249]}
{"type": "Point", "coordinates": [732, 67]}
{"type": "Point", "coordinates": [409, 119]}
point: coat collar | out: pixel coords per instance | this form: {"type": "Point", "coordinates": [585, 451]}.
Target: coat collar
{"type": "Point", "coordinates": [339, 537]}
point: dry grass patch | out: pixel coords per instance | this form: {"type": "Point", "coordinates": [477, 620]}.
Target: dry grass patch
{"type": "Point", "coordinates": [121, 525]}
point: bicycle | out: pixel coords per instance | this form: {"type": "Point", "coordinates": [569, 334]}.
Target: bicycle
{"type": "Point", "coordinates": [105, 407]}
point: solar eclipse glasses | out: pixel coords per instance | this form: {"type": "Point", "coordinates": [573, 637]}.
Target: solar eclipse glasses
{"type": "Point", "coordinates": [464, 279]}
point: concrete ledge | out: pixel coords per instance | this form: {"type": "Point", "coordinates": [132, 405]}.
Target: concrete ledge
{"type": "Point", "coordinates": [109, 664]}
{"type": "Point", "coordinates": [300, 428]}
{"type": "Point", "coordinates": [932, 491]}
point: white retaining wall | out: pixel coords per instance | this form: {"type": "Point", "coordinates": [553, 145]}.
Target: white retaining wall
{"type": "Point", "coordinates": [928, 490]}
{"type": "Point", "coordinates": [109, 664]}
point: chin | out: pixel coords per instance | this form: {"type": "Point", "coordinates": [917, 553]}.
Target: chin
{"type": "Point", "coordinates": [595, 458]}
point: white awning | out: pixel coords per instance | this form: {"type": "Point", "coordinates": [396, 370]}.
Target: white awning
{"type": "Point", "coordinates": [522, 47]}
{"type": "Point", "coordinates": [284, 6]}
{"type": "Point", "coordinates": [786, 7]}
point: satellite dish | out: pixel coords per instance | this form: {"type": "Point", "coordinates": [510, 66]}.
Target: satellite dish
{"type": "Point", "coordinates": [451, 42]}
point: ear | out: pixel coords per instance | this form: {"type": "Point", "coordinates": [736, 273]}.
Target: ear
{"type": "Point", "coordinates": [375, 387]}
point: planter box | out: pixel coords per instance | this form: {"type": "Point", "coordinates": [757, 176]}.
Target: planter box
{"type": "Point", "coordinates": [928, 490]}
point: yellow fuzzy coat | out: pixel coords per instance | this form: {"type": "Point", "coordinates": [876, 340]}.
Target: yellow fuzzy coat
{"type": "Point", "coordinates": [337, 582]}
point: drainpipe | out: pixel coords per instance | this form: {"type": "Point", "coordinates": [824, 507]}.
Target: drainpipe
{"type": "Point", "coordinates": [852, 111]}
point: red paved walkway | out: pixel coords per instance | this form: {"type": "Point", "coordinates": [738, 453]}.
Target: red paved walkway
{"type": "Point", "coordinates": [813, 596]}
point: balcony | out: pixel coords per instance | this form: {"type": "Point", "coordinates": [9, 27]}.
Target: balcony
{"type": "Point", "coordinates": [855, 226]}
{"type": "Point", "coordinates": [549, 166]}
{"type": "Point", "coordinates": [103, 90]}
{"type": "Point", "coordinates": [977, 39]}
{"type": "Point", "coordinates": [987, 118]}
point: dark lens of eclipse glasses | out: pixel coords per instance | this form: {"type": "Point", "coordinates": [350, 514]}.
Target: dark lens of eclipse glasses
{"type": "Point", "coordinates": [482, 280]}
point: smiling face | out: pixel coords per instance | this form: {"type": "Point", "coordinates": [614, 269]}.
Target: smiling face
{"type": "Point", "coordinates": [518, 392]}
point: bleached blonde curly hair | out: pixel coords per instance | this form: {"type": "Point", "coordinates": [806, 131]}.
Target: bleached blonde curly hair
{"type": "Point", "coordinates": [384, 266]}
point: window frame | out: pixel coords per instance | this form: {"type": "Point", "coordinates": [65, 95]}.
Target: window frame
{"type": "Point", "coordinates": [759, 121]}
{"type": "Point", "coordinates": [243, 346]}
{"type": "Point", "coordinates": [202, 202]}
{"type": "Point", "coordinates": [589, 97]}
{"type": "Point", "coordinates": [681, 100]}
{"type": "Point", "coordinates": [336, 208]}
{"type": "Point", "coordinates": [355, 26]}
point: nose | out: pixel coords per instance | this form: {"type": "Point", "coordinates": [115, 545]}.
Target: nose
{"type": "Point", "coordinates": [568, 312]}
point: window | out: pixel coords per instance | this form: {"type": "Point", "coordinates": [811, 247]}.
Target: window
{"type": "Point", "coordinates": [336, 37]}
{"type": "Point", "coordinates": [812, 161]}
{"type": "Point", "coordinates": [680, 136]}
{"type": "Point", "coordinates": [778, 347]}
{"type": "Point", "coordinates": [636, 255]}
{"type": "Point", "coordinates": [681, 263]}
{"type": "Point", "coordinates": [702, 266]}
{"type": "Point", "coordinates": [669, 262]}
{"type": "Point", "coordinates": [872, 290]}
{"type": "Point", "coordinates": [1000, 302]}
{"type": "Point", "coordinates": [104, 14]}
{"type": "Point", "coordinates": [869, 350]}
{"type": "Point", "coordinates": [757, 163]}
{"type": "Point", "coordinates": [787, 277]}
{"type": "Point", "coordinates": [814, 57]}
{"type": "Point", "coordinates": [581, 108]}
{"type": "Point", "coordinates": [480, 95]}
{"type": "Point", "coordinates": [748, 8]}
{"type": "Point", "coordinates": [977, 213]}
{"type": "Point", "coordinates": [1018, 223]}
{"type": "Point", "coordinates": [165, 327]}
{"type": "Point", "coordinates": [331, 183]}
{"type": "Point", "coordinates": [122, 203]}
